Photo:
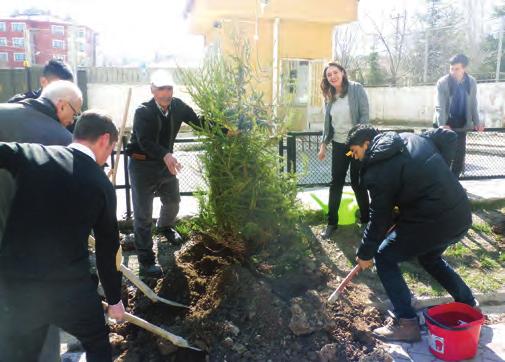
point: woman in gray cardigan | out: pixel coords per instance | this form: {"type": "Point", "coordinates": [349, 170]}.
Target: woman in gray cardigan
{"type": "Point", "coordinates": [346, 105]}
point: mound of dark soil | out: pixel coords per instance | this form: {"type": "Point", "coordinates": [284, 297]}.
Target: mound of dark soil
{"type": "Point", "coordinates": [237, 314]}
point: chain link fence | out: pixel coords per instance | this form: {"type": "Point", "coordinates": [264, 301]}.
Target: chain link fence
{"type": "Point", "coordinates": [485, 159]}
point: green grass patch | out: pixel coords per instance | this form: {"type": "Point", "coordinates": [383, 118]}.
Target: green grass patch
{"type": "Point", "coordinates": [482, 227]}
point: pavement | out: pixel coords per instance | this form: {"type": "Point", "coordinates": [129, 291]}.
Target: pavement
{"type": "Point", "coordinates": [491, 347]}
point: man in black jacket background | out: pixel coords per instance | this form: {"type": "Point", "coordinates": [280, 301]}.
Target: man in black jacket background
{"type": "Point", "coordinates": [54, 69]}
{"type": "Point", "coordinates": [153, 167]}
{"type": "Point", "coordinates": [410, 172]}
{"type": "Point", "coordinates": [44, 267]}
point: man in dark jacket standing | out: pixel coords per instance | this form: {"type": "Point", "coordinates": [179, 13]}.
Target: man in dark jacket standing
{"type": "Point", "coordinates": [42, 120]}
{"type": "Point", "coordinates": [53, 70]}
{"type": "Point", "coordinates": [412, 173]}
{"type": "Point", "coordinates": [153, 167]}
{"type": "Point", "coordinates": [456, 107]}
{"type": "Point", "coordinates": [44, 268]}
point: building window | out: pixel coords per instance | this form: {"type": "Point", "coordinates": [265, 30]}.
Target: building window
{"type": "Point", "coordinates": [18, 27]}
{"type": "Point", "coordinates": [18, 42]}
{"type": "Point", "coordinates": [60, 44]}
{"type": "Point", "coordinates": [58, 29]}
{"type": "Point", "coordinates": [81, 33]}
{"type": "Point", "coordinates": [295, 81]}
{"type": "Point", "coordinates": [4, 57]}
{"type": "Point", "coordinates": [61, 57]}
{"type": "Point", "coordinates": [3, 42]}
{"type": "Point", "coordinates": [19, 57]}
{"type": "Point", "coordinates": [82, 47]}
{"type": "Point", "coordinates": [3, 27]}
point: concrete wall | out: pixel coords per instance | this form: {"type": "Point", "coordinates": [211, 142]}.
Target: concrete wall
{"type": "Point", "coordinates": [402, 106]}
{"type": "Point", "coordinates": [416, 105]}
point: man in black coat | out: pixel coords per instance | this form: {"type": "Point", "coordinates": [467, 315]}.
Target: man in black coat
{"type": "Point", "coordinates": [153, 167]}
{"type": "Point", "coordinates": [62, 195]}
{"type": "Point", "coordinates": [43, 120]}
{"type": "Point", "coordinates": [410, 172]}
{"type": "Point", "coordinates": [53, 70]}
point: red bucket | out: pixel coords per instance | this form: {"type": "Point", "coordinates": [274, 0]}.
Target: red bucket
{"type": "Point", "coordinates": [454, 331]}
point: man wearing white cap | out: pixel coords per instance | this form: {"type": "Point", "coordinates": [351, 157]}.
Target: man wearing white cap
{"type": "Point", "coordinates": [153, 167]}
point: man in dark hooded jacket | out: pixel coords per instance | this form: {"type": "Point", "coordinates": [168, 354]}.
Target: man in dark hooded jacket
{"type": "Point", "coordinates": [411, 172]}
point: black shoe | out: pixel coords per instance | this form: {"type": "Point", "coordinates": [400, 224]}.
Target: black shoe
{"type": "Point", "coordinates": [150, 270]}
{"type": "Point", "coordinates": [328, 232]}
{"type": "Point", "coordinates": [172, 236]}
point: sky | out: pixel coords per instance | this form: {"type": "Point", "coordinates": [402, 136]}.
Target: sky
{"type": "Point", "coordinates": [133, 29]}
{"type": "Point", "coordinates": [139, 29]}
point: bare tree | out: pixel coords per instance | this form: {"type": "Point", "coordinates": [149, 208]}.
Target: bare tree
{"type": "Point", "coordinates": [345, 44]}
{"type": "Point", "coordinates": [394, 44]}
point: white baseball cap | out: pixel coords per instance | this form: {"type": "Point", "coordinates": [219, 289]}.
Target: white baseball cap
{"type": "Point", "coordinates": [162, 78]}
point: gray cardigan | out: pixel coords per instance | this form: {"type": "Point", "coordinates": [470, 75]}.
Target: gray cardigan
{"type": "Point", "coordinates": [358, 105]}
{"type": "Point", "coordinates": [443, 103]}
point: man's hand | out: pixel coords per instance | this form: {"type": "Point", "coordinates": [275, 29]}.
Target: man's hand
{"type": "Point", "coordinates": [172, 164]}
{"type": "Point", "coordinates": [479, 127]}
{"type": "Point", "coordinates": [116, 311]}
{"type": "Point", "coordinates": [364, 264]}
{"type": "Point", "coordinates": [322, 152]}
{"type": "Point", "coordinates": [446, 126]}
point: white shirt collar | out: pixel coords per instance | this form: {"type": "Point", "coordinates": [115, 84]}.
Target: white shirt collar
{"type": "Point", "coordinates": [161, 109]}
{"type": "Point", "coordinates": [84, 149]}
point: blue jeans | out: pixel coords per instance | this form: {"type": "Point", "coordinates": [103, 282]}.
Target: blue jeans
{"type": "Point", "coordinates": [391, 252]}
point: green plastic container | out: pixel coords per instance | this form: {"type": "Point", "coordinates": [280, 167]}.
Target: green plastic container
{"type": "Point", "coordinates": [348, 209]}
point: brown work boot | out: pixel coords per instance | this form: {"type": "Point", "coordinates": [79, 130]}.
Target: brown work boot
{"type": "Point", "coordinates": [404, 330]}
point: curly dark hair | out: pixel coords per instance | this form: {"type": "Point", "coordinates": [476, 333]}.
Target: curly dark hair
{"type": "Point", "coordinates": [329, 92]}
{"type": "Point", "coordinates": [361, 133]}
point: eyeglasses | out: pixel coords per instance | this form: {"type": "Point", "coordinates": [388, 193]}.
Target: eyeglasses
{"type": "Point", "coordinates": [76, 114]}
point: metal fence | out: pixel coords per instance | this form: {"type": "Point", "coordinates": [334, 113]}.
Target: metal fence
{"type": "Point", "coordinates": [187, 151]}
{"type": "Point", "coordinates": [485, 159]}
{"type": "Point", "coordinates": [485, 156]}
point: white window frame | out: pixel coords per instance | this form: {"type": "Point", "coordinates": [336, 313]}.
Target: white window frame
{"type": "Point", "coordinates": [3, 26]}
{"type": "Point", "coordinates": [6, 57]}
{"type": "Point", "coordinates": [16, 23]}
{"type": "Point", "coordinates": [81, 33]}
{"type": "Point", "coordinates": [3, 41]}
{"type": "Point", "coordinates": [20, 40]}
{"type": "Point", "coordinates": [55, 41]}
{"type": "Point", "coordinates": [61, 57]}
{"type": "Point", "coordinates": [17, 54]}
{"type": "Point", "coordinates": [57, 29]}
{"type": "Point", "coordinates": [287, 88]}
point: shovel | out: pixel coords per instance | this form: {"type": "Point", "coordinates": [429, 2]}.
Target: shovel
{"type": "Point", "coordinates": [139, 322]}
{"type": "Point", "coordinates": [334, 296]}
{"type": "Point", "coordinates": [143, 287]}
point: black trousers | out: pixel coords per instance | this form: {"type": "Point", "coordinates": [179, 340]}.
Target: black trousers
{"type": "Point", "coordinates": [339, 166]}
{"type": "Point", "coordinates": [458, 164]}
{"type": "Point", "coordinates": [28, 308]}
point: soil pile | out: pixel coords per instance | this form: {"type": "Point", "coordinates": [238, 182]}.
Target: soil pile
{"type": "Point", "coordinates": [239, 314]}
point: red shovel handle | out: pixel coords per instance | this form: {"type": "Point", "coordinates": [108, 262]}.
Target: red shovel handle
{"type": "Point", "coordinates": [348, 278]}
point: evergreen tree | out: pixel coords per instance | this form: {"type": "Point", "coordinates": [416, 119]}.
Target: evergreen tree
{"type": "Point", "coordinates": [375, 74]}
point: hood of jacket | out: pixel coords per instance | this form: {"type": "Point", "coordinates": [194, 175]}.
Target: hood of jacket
{"type": "Point", "coordinates": [383, 147]}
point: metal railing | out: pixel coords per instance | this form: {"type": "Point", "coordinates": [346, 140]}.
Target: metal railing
{"type": "Point", "coordinates": [485, 159]}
